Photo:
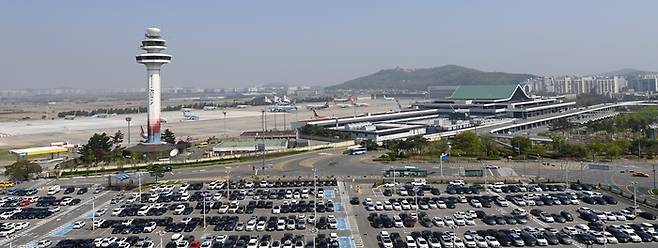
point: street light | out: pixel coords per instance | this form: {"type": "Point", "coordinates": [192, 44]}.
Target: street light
{"type": "Point", "coordinates": [224, 112]}
{"type": "Point", "coordinates": [634, 197]}
{"type": "Point", "coordinates": [129, 119]}
{"type": "Point", "coordinates": [93, 211]}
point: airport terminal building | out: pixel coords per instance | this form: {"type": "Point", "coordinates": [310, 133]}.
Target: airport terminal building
{"type": "Point", "coordinates": [496, 101]}
{"type": "Point", "coordinates": [467, 107]}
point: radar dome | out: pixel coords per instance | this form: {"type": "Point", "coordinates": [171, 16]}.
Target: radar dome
{"type": "Point", "coordinates": [153, 32]}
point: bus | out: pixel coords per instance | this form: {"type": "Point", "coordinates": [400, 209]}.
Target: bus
{"type": "Point", "coordinates": [358, 150]}
{"type": "Point", "coordinates": [405, 171]}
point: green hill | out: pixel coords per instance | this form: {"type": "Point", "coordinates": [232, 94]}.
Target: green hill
{"type": "Point", "coordinates": [419, 79]}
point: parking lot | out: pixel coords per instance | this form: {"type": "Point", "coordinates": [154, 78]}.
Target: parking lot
{"type": "Point", "coordinates": [530, 215]}
{"type": "Point", "coordinates": [323, 213]}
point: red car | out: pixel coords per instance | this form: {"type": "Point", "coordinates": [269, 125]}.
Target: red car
{"type": "Point", "coordinates": [25, 203]}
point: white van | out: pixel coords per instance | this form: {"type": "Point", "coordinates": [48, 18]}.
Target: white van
{"type": "Point", "coordinates": [54, 189]}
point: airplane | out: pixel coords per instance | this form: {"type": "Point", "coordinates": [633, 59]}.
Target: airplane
{"type": "Point", "coordinates": [188, 115]}
{"type": "Point", "coordinates": [317, 117]}
{"type": "Point", "coordinates": [358, 104]}
{"type": "Point", "coordinates": [285, 99]}
{"type": "Point", "coordinates": [344, 99]}
{"type": "Point", "coordinates": [316, 106]}
{"type": "Point", "coordinates": [343, 105]}
{"type": "Point", "coordinates": [267, 100]}
{"type": "Point", "coordinates": [242, 106]}
{"type": "Point", "coordinates": [389, 98]}
{"type": "Point", "coordinates": [69, 117]}
{"type": "Point", "coordinates": [281, 107]}
{"type": "Point", "coordinates": [209, 107]}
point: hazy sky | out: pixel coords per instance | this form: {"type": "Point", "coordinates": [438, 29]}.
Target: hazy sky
{"type": "Point", "coordinates": [91, 44]}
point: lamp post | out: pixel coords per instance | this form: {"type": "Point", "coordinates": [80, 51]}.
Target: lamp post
{"type": "Point", "coordinates": [93, 211]}
{"type": "Point", "coordinates": [224, 112]}
{"type": "Point", "coordinates": [634, 197]}
{"type": "Point", "coordinates": [204, 211]}
{"type": "Point", "coordinates": [129, 119]}
{"type": "Point", "coordinates": [228, 181]}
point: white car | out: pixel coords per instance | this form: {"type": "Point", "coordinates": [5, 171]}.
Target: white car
{"type": "Point", "coordinates": [411, 242]}
{"type": "Point", "coordinates": [570, 230]}
{"type": "Point", "coordinates": [502, 202]}
{"type": "Point", "coordinates": [150, 227]}
{"type": "Point", "coordinates": [422, 243]}
{"type": "Point", "coordinates": [610, 216]}
{"type": "Point", "coordinates": [448, 221]}
{"type": "Point", "coordinates": [100, 212]}
{"type": "Point", "coordinates": [437, 221]}
{"type": "Point", "coordinates": [98, 222]}
{"type": "Point", "coordinates": [78, 224]}
{"type": "Point", "coordinates": [44, 243]}
{"type": "Point", "coordinates": [481, 242]}
{"type": "Point", "coordinates": [469, 241]}
{"type": "Point", "coordinates": [492, 242]}
{"type": "Point", "coordinates": [54, 209]}
{"type": "Point", "coordinates": [581, 228]}
{"type": "Point", "coordinates": [476, 203]}
{"type": "Point", "coordinates": [441, 205]}
{"type": "Point", "coordinates": [398, 221]}
{"type": "Point", "coordinates": [611, 239]}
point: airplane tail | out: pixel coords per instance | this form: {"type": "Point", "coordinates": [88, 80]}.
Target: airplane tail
{"type": "Point", "coordinates": [143, 134]}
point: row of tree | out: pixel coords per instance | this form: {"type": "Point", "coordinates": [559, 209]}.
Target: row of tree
{"type": "Point", "coordinates": [103, 148]}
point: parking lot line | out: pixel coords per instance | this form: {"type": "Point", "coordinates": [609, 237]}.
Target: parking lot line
{"type": "Point", "coordinates": [345, 242]}
{"type": "Point", "coordinates": [329, 194]}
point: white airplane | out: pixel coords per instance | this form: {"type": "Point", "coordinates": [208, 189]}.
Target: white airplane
{"type": "Point", "coordinates": [242, 106]}
{"type": "Point", "coordinates": [389, 98]}
{"type": "Point", "coordinates": [317, 106]}
{"type": "Point", "coordinates": [209, 108]}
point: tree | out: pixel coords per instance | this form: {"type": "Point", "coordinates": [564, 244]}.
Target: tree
{"type": "Point", "coordinates": [521, 145]}
{"type": "Point", "coordinates": [155, 170]}
{"type": "Point", "coordinates": [97, 149]}
{"type": "Point", "coordinates": [467, 142]}
{"type": "Point", "coordinates": [370, 145]}
{"type": "Point", "coordinates": [22, 170]}
{"type": "Point", "coordinates": [490, 147]}
{"type": "Point", "coordinates": [117, 138]}
{"type": "Point", "coordinates": [169, 136]}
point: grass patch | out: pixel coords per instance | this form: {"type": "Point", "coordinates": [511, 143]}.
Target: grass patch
{"type": "Point", "coordinates": [654, 191]}
{"type": "Point", "coordinates": [84, 172]}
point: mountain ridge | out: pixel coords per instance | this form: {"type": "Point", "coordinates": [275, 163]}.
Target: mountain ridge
{"type": "Point", "coordinates": [421, 78]}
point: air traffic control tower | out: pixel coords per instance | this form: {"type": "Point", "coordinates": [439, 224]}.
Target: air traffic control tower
{"type": "Point", "coordinates": [153, 59]}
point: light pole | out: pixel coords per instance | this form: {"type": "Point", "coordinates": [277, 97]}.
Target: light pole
{"type": "Point", "coordinates": [228, 181]}
{"type": "Point", "coordinates": [204, 211]}
{"type": "Point", "coordinates": [274, 113]}
{"type": "Point", "coordinates": [315, 212]}
{"type": "Point", "coordinates": [93, 211]}
{"type": "Point", "coordinates": [129, 119]}
{"type": "Point", "coordinates": [634, 197]}
{"type": "Point", "coordinates": [224, 112]}
{"type": "Point", "coordinates": [285, 125]}
{"type": "Point", "coordinates": [161, 233]}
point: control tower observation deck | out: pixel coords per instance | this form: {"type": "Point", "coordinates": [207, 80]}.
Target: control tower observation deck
{"type": "Point", "coordinates": [153, 59]}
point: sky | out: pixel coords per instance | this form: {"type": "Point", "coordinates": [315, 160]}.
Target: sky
{"type": "Point", "coordinates": [225, 44]}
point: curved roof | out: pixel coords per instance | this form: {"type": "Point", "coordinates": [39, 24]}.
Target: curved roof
{"type": "Point", "coordinates": [488, 92]}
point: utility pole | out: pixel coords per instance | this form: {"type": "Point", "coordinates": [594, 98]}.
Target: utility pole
{"type": "Point", "coordinates": [228, 182]}
{"type": "Point", "coordinates": [128, 119]}
{"type": "Point", "coordinates": [285, 125]}
{"type": "Point", "coordinates": [275, 113]}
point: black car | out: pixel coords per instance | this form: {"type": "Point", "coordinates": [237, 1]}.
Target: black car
{"type": "Point", "coordinates": [564, 238]}
{"type": "Point", "coordinates": [584, 238]}
{"type": "Point", "coordinates": [355, 201]}
{"type": "Point", "coordinates": [82, 190]}
{"type": "Point", "coordinates": [647, 215]}
{"type": "Point", "coordinates": [69, 190]}
{"type": "Point", "coordinates": [551, 238]}
{"type": "Point", "coordinates": [567, 216]}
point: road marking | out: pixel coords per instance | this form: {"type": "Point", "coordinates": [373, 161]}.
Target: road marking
{"type": "Point", "coordinates": [345, 242]}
